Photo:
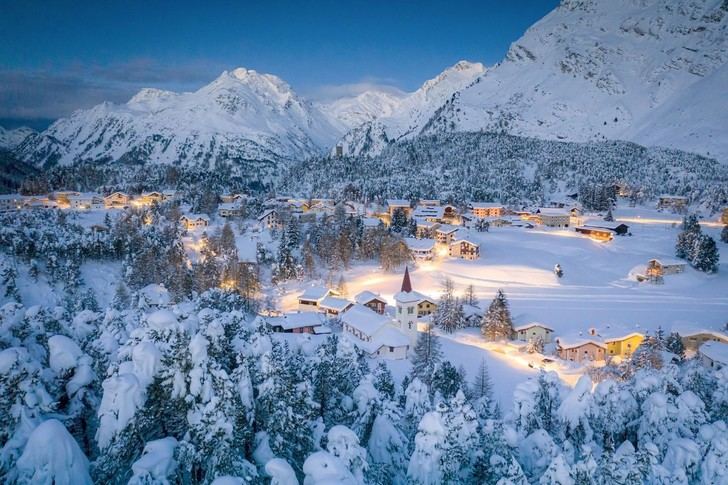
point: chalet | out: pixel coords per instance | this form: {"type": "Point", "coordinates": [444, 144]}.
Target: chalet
{"type": "Point", "coordinates": [473, 315]}
{"type": "Point", "coordinates": [420, 249]}
{"type": "Point", "coordinates": [230, 209]}
{"type": "Point", "coordinates": [533, 331]}
{"type": "Point", "coordinates": [376, 334]}
{"type": "Point", "coordinates": [429, 213]}
{"type": "Point", "coordinates": [553, 217]}
{"type": "Point", "coordinates": [333, 306]}
{"type": "Point", "coordinates": [170, 195]}
{"type": "Point", "coordinates": [677, 203]}
{"type": "Point", "coordinates": [445, 234]}
{"type": "Point", "coordinates": [86, 200]}
{"type": "Point", "coordinates": [714, 355]}
{"type": "Point", "coordinates": [425, 229]}
{"type": "Point", "coordinates": [394, 204]}
{"type": "Point", "coordinates": [694, 339]}
{"type": "Point", "coordinates": [194, 221]}
{"type": "Point", "coordinates": [298, 322]}
{"type": "Point", "coordinates": [231, 198]}
{"type": "Point", "coordinates": [117, 199]}
{"type": "Point", "coordinates": [622, 345]}
{"type": "Point", "coordinates": [724, 216]}
{"type": "Point", "coordinates": [311, 297]}
{"type": "Point", "coordinates": [581, 349]}
{"type": "Point", "coordinates": [11, 202]}
{"type": "Point", "coordinates": [482, 210]}
{"type": "Point", "coordinates": [657, 268]}
{"type": "Point", "coordinates": [372, 301]}
{"type": "Point", "coordinates": [596, 233]}
{"type": "Point", "coordinates": [617, 228]}
{"type": "Point", "coordinates": [464, 247]}
{"type": "Point", "coordinates": [149, 198]}
{"type": "Point", "coordinates": [271, 219]}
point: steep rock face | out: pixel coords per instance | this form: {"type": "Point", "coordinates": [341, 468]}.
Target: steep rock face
{"type": "Point", "coordinates": [242, 115]}
{"type": "Point", "coordinates": [10, 139]}
{"type": "Point", "coordinates": [649, 71]}
{"type": "Point", "coordinates": [413, 112]}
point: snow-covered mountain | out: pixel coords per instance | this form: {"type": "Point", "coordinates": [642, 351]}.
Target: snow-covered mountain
{"type": "Point", "coordinates": [9, 139]}
{"type": "Point", "coordinates": [412, 113]}
{"type": "Point", "coordinates": [241, 115]}
{"type": "Point", "coordinates": [648, 71]}
{"type": "Point", "coordinates": [352, 111]}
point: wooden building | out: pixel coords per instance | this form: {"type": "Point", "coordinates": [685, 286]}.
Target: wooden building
{"type": "Point", "coordinates": [657, 268]}
{"type": "Point", "coordinates": [596, 233]}
{"type": "Point", "coordinates": [464, 249]}
{"type": "Point", "coordinates": [372, 301]}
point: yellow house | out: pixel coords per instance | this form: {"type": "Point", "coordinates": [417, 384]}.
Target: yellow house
{"type": "Point", "coordinates": [624, 345]}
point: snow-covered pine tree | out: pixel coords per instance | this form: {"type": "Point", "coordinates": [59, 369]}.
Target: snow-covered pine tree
{"type": "Point", "coordinates": [704, 255]}
{"type": "Point", "coordinates": [446, 381]}
{"type": "Point", "coordinates": [425, 466]}
{"type": "Point", "coordinates": [461, 425]}
{"type": "Point", "coordinates": [674, 344]}
{"type": "Point", "coordinates": [481, 392]}
{"type": "Point", "coordinates": [384, 381]}
{"type": "Point", "coordinates": [724, 234]}
{"type": "Point", "coordinates": [427, 356]}
{"type": "Point", "coordinates": [497, 323]}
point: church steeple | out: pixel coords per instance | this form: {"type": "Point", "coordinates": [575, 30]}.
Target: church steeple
{"type": "Point", "coordinates": [406, 283]}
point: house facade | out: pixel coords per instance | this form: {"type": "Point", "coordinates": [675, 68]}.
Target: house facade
{"type": "Point", "coordinates": [533, 331]}
{"type": "Point", "coordinates": [372, 301]}
{"type": "Point", "coordinates": [230, 209]}
{"type": "Point", "coordinates": [677, 203]}
{"type": "Point", "coordinates": [420, 249]}
{"type": "Point", "coordinates": [554, 217]}
{"type": "Point", "coordinates": [298, 322]}
{"type": "Point", "coordinates": [581, 350]}
{"type": "Point", "coordinates": [596, 233]}
{"type": "Point", "coordinates": [661, 267]}
{"type": "Point", "coordinates": [394, 204]}
{"type": "Point", "coordinates": [194, 221]}
{"type": "Point", "coordinates": [714, 355]}
{"type": "Point", "coordinates": [117, 199]}
{"type": "Point", "coordinates": [693, 340]}
{"type": "Point", "coordinates": [270, 219]}
{"type": "Point", "coordinates": [376, 334]}
{"type": "Point", "coordinates": [464, 249]}
{"type": "Point", "coordinates": [311, 297]}
{"type": "Point", "coordinates": [623, 345]}
{"type": "Point", "coordinates": [86, 201]}
{"type": "Point", "coordinates": [482, 210]}
{"type": "Point", "coordinates": [11, 202]}
{"type": "Point", "coordinates": [445, 234]}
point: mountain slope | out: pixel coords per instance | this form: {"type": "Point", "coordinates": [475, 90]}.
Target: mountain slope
{"type": "Point", "coordinates": [412, 113]}
{"type": "Point", "coordinates": [242, 115]}
{"type": "Point", "coordinates": [647, 71]}
{"type": "Point", "coordinates": [9, 139]}
{"type": "Point", "coordinates": [352, 111]}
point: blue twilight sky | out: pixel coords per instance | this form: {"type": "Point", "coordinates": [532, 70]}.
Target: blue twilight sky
{"type": "Point", "coordinates": [57, 56]}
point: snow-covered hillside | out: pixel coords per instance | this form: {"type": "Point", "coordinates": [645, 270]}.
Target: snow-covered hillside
{"type": "Point", "coordinates": [241, 115]}
{"type": "Point", "coordinates": [9, 139]}
{"type": "Point", "coordinates": [352, 111]}
{"type": "Point", "coordinates": [413, 112]}
{"type": "Point", "coordinates": [649, 71]}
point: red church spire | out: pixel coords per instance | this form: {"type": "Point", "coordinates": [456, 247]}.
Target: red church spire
{"type": "Point", "coordinates": [406, 283]}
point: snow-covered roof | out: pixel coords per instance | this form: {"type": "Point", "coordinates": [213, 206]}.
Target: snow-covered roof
{"type": "Point", "coordinates": [425, 223]}
{"type": "Point", "coordinates": [669, 261]}
{"type": "Point", "coordinates": [419, 244]}
{"type": "Point", "coordinates": [464, 235]}
{"type": "Point", "coordinates": [388, 336]}
{"type": "Point", "coordinates": [196, 217]}
{"type": "Point", "coordinates": [526, 326]}
{"type": "Point", "coordinates": [367, 296]}
{"type": "Point", "coordinates": [398, 203]}
{"type": "Point", "coordinates": [715, 351]}
{"type": "Point", "coordinates": [570, 342]}
{"type": "Point", "coordinates": [364, 319]}
{"type": "Point", "coordinates": [429, 211]}
{"type": "Point", "coordinates": [485, 205]}
{"type": "Point", "coordinates": [266, 213]}
{"type": "Point", "coordinates": [552, 211]}
{"type": "Point", "coordinates": [677, 197]}
{"type": "Point", "coordinates": [335, 303]}
{"type": "Point", "coordinates": [292, 320]}
{"type": "Point", "coordinates": [614, 336]}
{"type": "Point", "coordinates": [169, 192]}
{"type": "Point", "coordinates": [472, 310]}
{"type": "Point", "coordinates": [411, 297]}
{"type": "Point", "coordinates": [605, 225]}
{"type": "Point", "coordinates": [85, 196]}
{"type": "Point", "coordinates": [370, 222]}
{"type": "Point", "coordinates": [594, 229]}
{"type": "Point", "coordinates": [314, 293]}
{"type": "Point", "coordinates": [447, 228]}
{"type": "Point", "coordinates": [155, 294]}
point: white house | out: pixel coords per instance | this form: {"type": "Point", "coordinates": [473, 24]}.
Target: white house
{"type": "Point", "coordinates": [11, 202]}
{"type": "Point", "coordinates": [532, 331]}
{"type": "Point", "coordinates": [429, 213]}
{"type": "Point", "coordinates": [117, 199]}
{"type": "Point", "coordinates": [298, 322]}
{"type": "Point", "coordinates": [170, 195]}
{"type": "Point", "coordinates": [86, 200]}
{"type": "Point", "coordinates": [270, 219]}
{"type": "Point", "coordinates": [194, 221]}
{"type": "Point", "coordinates": [445, 233]}
{"type": "Point", "coordinates": [554, 217]}
{"type": "Point", "coordinates": [333, 306]}
{"type": "Point", "coordinates": [714, 355]}
{"type": "Point", "coordinates": [421, 249]}
{"type": "Point", "coordinates": [311, 297]}
{"type": "Point", "coordinates": [376, 334]}
{"type": "Point", "coordinates": [372, 301]}
{"type": "Point", "coordinates": [230, 209]}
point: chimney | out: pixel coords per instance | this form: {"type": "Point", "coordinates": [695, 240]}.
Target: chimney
{"type": "Point", "coordinates": [406, 283]}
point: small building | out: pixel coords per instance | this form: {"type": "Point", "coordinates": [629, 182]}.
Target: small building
{"type": "Point", "coordinates": [623, 345]}
{"type": "Point", "coordinates": [194, 221]}
{"type": "Point", "coordinates": [376, 334]}
{"type": "Point", "coordinates": [445, 234]}
{"type": "Point", "coordinates": [11, 202]}
{"type": "Point", "coordinates": [394, 204]}
{"type": "Point", "coordinates": [170, 195]}
{"type": "Point", "coordinates": [333, 306]}
{"type": "Point", "coordinates": [298, 322]}
{"type": "Point", "coordinates": [39, 202]}
{"type": "Point", "coordinates": [553, 217]}
{"type": "Point", "coordinates": [87, 200]}
{"type": "Point", "coordinates": [149, 198]}
{"type": "Point", "coordinates": [372, 301]}
{"type": "Point", "coordinates": [433, 213]}
{"type": "Point", "coordinates": [420, 249]}
{"type": "Point", "coordinates": [425, 229]}
{"type": "Point", "coordinates": [464, 248]}
{"type": "Point", "coordinates": [581, 349]}
{"type": "Point", "coordinates": [117, 200]}
{"type": "Point", "coordinates": [231, 198]}
{"type": "Point", "coordinates": [596, 233]}
{"type": "Point", "coordinates": [270, 219]}
{"type": "Point", "coordinates": [657, 268]}
{"type": "Point", "coordinates": [482, 210]}
{"type": "Point", "coordinates": [677, 203]}
{"type": "Point", "coordinates": [473, 314]}
{"type": "Point", "coordinates": [533, 331]}
{"type": "Point", "coordinates": [618, 228]}
{"type": "Point", "coordinates": [714, 355]}
{"type": "Point", "coordinates": [230, 209]}
{"type": "Point", "coordinates": [694, 339]}
{"type": "Point", "coordinates": [311, 297]}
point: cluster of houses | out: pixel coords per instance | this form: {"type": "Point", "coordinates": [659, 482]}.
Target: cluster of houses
{"type": "Point", "coordinates": [69, 199]}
